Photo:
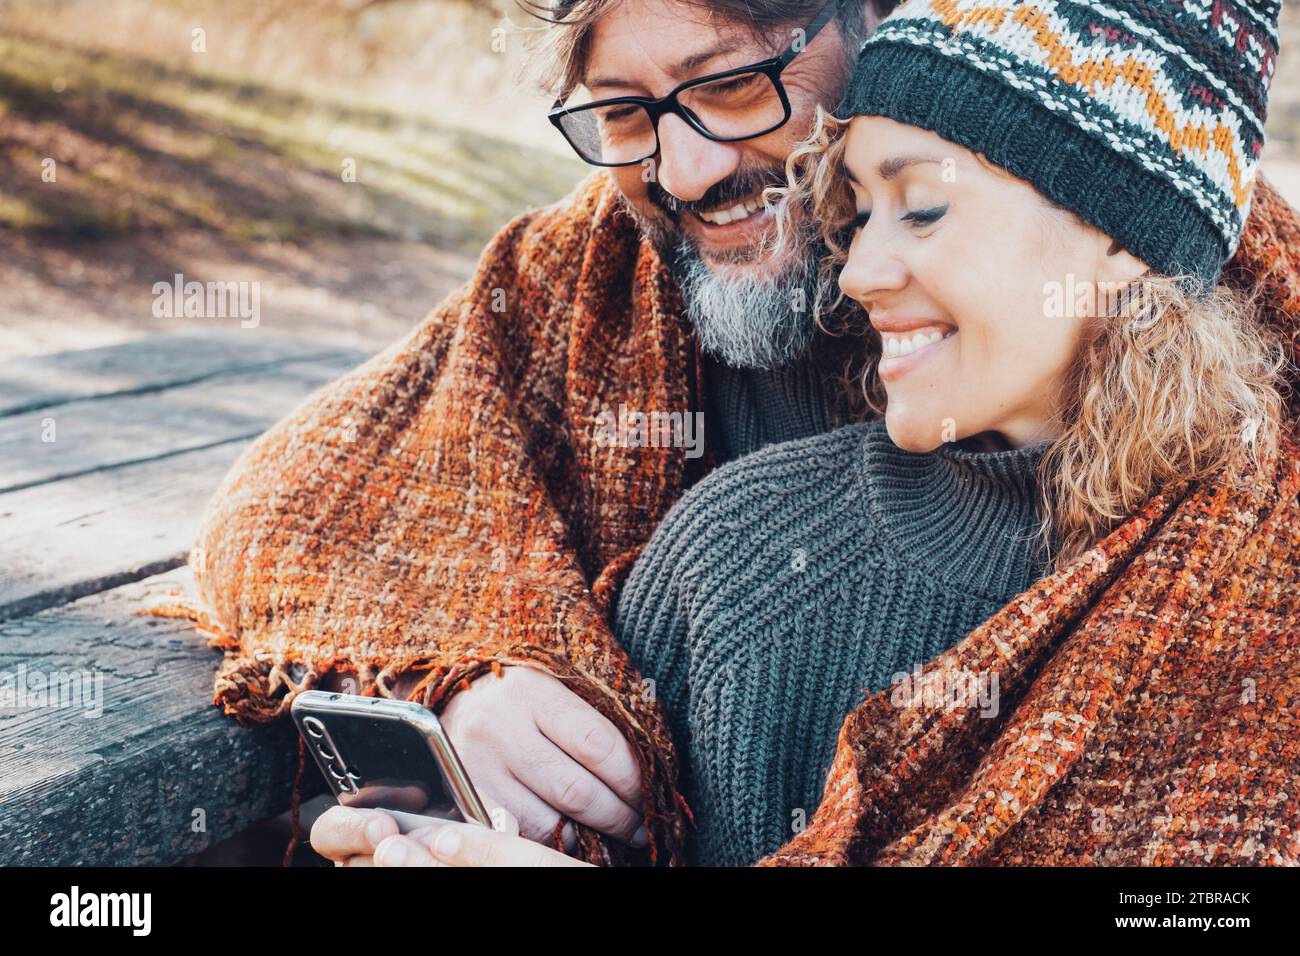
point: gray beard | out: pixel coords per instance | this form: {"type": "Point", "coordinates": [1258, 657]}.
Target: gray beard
{"type": "Point", "coordinates": [759, 322]}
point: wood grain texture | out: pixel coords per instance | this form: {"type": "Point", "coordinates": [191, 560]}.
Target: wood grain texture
{"type": "Point", "coordinates": [61, 541]}
{"type": "Point", "coordinates": [31, 383]}
{"type": "Point", "coordinates": [139, 767]}
{"type": "Point", "coordinates": [118, 494]}
{"type": "Point", "coordinates": [130, 785]}
{"type": "Point", "coordinates": [89, 434]}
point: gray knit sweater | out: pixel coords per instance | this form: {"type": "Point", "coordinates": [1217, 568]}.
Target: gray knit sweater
{"type": "Point", "coordinates": [793, 580]}
{"type": "Point", "coordinates": [750, 408]}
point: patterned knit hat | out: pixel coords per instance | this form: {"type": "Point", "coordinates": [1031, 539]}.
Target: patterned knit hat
{"type": "Point", "coordinates": [1144, 117]}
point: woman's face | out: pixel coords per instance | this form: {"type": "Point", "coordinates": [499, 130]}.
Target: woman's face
{"type": "Point", "coordinates": [977, 286]}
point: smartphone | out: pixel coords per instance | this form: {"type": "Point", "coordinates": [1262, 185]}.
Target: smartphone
{"type": "Point", "coordinates": [387, 755]}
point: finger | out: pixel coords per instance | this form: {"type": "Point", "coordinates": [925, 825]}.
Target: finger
{"type": "Point", "coordinates": [341, 832]}
{"type": "Point", "coordinates": [503, 821]}
{"type": "Point", "coordinates": [403, 851]}
{"type": "Point", "coordinates": [459, 844]}
{"type": "Point", "coordinates": [358, 860]}
{"type": "Point", "coordinates": [572, 790]}
{"type": "Point", "coordinates": [424, 837]}
{"type": "Point", "coordinates": [586, 735]}
{"type": "Point", "coordinates": [535, 817]}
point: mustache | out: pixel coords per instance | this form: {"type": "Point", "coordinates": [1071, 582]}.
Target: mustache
{"type": "Point", "coordinates": [740, 185]}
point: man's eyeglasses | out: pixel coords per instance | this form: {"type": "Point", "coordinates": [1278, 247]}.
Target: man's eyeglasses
{"type": "Point", "coordinates": [737, 104]}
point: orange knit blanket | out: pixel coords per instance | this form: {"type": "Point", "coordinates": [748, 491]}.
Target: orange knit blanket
{"type": "Point", "coordinates": [449, 507]}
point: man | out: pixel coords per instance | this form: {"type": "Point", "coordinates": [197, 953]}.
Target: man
{"type": "Point", "coordinates": [691, 170]}
{"type": "Point", "coordinates": [527, 740]}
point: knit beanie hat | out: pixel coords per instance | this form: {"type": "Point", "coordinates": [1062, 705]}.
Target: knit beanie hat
{"type": "Point", "coordinates": [1144, 117]}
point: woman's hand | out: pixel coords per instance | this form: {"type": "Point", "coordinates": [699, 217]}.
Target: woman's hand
{"type": "Point", "coordinates": [352, 837]}
{"type": "Point", "coordinates": [468, 844]}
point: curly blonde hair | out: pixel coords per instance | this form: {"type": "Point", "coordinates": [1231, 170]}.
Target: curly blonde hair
{"type": "Point", "coordinates": [1173, 388]}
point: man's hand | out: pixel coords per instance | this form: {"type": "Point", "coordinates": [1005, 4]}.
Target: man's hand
{"type": "Point", "coordinates": [542, 751]}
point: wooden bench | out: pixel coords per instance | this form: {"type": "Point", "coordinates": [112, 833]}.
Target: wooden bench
{"type": "Point", "coordinates": [107, 459]}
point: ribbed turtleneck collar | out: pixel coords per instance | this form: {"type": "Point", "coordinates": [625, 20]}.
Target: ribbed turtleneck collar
{"type": "Point", "coordinates": [969, 517]}
{"type": "Point", "coordinates": [754, 408]}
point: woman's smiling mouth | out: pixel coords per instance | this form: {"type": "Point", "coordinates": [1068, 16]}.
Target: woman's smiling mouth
{"type": "Point", "coordinates": [902, 349]}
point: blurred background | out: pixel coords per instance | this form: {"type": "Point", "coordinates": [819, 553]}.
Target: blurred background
{"type": "Point", "coordinates": [214, 138]}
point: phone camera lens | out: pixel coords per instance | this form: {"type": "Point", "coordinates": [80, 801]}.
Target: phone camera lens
{"type": "Point", "coordinates": [313, 726]}
{"type": "Point", "coordinates": [320, 749]}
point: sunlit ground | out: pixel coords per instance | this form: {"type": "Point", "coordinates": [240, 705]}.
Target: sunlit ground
{"type": "Point", "coordinates": [353, 166]}
{"type": "Point", "coordinates": [357, 212]}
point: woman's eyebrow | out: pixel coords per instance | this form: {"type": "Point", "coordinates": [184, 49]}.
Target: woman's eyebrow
{"type": "Point", "coordinates": [892, 167]}
{"type": "Point", "coordinates": [889, 168]}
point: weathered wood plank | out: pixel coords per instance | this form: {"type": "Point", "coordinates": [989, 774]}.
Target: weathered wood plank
{"type": "Point", "coordinates": [35, 382]}
{"type": "Point", "coordinates": [80, 436]}
{"type": "Point", "coordinates": [157, 773]}
{"type": "Point", "coordinates": [119, 493]}
{"type": "Point", "coordinates": [64, 540]}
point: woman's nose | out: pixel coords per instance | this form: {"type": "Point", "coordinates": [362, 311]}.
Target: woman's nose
{"type": "Point", "coordinates": [689, 164]}
{"type": "Point", "coordinates": [870, 271]}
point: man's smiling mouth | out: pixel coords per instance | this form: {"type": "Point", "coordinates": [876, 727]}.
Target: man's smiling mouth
{"type": "Point", "coordinates": [736, 212]}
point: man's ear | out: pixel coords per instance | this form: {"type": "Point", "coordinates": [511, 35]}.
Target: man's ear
{"type": "Point", "coordinates": [873, 18]}
{"type": "Point", "coordinates": [1116, 264]}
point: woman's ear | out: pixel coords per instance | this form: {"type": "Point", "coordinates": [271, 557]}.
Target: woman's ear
{"type": "Point", "coordinates": [1117, 264]}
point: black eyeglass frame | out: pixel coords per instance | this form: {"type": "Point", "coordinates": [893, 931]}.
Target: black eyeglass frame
{"type": "Point", "coordinates": [656, 108]}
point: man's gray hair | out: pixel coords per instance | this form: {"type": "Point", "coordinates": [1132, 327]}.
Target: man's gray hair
{"type": "Point", "coordinates": [559, 51]}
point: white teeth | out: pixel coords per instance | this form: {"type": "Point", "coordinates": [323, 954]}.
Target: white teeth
{"type": "Point", "coordinates": [741, 210]}
{"type": "Point", "coordinates": [894, 345]}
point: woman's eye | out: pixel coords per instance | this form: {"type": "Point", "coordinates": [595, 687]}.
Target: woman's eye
{"type": "Point", "coordinates": [860, 220]}
{"type": "Point", "coordinates": [923, 217]}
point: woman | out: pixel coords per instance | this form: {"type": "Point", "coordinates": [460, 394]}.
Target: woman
{"type": "Point", "coordinates": [1064, 564]}
{"type": "Point", "coordinates": [1039, 382]}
